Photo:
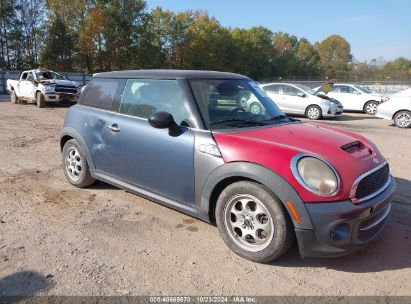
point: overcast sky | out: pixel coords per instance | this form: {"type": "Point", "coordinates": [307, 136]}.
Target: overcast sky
{"type": "Point", "coordinates": [373, 28]}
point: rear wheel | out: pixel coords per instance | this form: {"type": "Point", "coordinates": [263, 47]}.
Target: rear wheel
{"type": "Point", "coordinates": [371, 107]}
{"type": "Point", "coordinates": [75, 165]}
{"type": "Point", "coordinates": [313, 112]}
{"type": "Point", "coordinates": [40, 101]}
{"type": "Point", "coordinates": [252, 222]}
{"type": "Point", "coordinates": [402, 119]}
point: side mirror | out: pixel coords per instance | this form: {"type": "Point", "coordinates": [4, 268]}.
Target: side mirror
{"type": "Point", "coordinates": [164, 120]}
{"type": "Point", "coordinates": [301, 94]}
{"type": "Point", "coordinates": [357, 92]}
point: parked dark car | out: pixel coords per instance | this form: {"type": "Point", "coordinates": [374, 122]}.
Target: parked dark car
{"type": "Point", "coordinates": [181, 139]}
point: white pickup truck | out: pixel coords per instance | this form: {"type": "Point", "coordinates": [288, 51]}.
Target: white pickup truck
{"type": "Point", "coordinates": [42, 86]}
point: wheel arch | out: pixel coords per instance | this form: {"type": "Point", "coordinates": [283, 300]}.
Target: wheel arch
{"type": "Point", "coordinates": [396, 112]}
{"type": "Point", "coordinates": [69, 133]}
{"type": "Point", "coordinates": [232, 172]}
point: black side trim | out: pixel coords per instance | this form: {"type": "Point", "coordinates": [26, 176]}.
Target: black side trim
{"type": "Point", "coordinates": [182, 207]}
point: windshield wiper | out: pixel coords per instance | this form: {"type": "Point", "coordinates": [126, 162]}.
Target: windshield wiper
{"type": "Point", "coordinates": [275, 118]}
{"type": "Point", "coordinates": [238, 120]}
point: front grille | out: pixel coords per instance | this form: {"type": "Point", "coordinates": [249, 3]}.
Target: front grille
{"type": "Point", "coordinates": [65, 89]}
{"type": "Point", "coordinates": [373, 182]}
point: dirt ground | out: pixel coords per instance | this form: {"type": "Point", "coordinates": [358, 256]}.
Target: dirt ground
{"type": "Point", "coordinates": [59, 240]}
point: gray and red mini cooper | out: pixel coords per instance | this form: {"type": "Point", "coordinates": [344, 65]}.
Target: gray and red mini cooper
{"type": "Point", "coordinates": [182, 139]}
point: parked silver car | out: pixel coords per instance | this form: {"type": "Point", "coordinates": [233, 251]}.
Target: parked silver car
{"type": "Point", "coordinates": [354, 97]}
{"type": "Point", "coordinates": [300, 99]}
{"type": "Point", "coordinates": [398, 109]}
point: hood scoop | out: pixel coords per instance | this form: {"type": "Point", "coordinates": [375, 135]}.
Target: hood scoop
{"type": "Point", "coordinates": [357, 149]}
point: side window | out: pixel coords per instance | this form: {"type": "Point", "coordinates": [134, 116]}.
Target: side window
{"type": "Point", "coordinates": [24, 76]}
{"type": "Point", "coordinates": [102, 93]}
{"type": "Point", "coordinates": [143, 97]}
{"type": "Point", "coordinates": [289, 90]}
{"type": "Point", "coordinates": [30, 77]}
{"type": "Point", "coordinates": [346, 89]}
{"type": "Point", "coordinates": [335, 89]}
{"type": "Point", "coordinates": [274, 88]}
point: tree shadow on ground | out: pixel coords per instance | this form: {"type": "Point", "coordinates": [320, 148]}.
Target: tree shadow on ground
{"type": "Point", "coordinates": [19, 285]}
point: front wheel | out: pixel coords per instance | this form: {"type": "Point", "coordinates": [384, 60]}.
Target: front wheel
{"type": "Point", "coordinates": [402, 119]}
{"type": "Point", "coordinates": [14, 98]}
{"type": "Point", "coordinates": [371, 107]}
{"type": "Point", "coordinates": [252, 222]}
{"type": "Point", "coordinates": [313, 112]}
{"type": "Point", "coordinates": [40, 101]}
{"type": "Point", "coordinates": [75, 165]}
{"type": "Point", "coordinates": [255, 108]}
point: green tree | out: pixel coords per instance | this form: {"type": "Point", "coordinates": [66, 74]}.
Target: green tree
{"type": "Point", "coordinates": [307, 59]}
{"type": "Point", "coordinates": [335, 54]}
{"type": "Point", "coordinates": [59, 47]}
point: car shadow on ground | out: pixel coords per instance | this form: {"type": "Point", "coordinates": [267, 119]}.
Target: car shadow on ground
{"type": "Point", "coordinates": [355, 116]}
{"type": "Point", "coordinates": [390, 251]}
{"type": "Point", "coordinates": [99, 185]}
{"type": "Point", "coordinates": [19, 285]}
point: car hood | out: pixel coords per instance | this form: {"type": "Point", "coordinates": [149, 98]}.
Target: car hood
{"type": "Point", "coordinates": [274, 147]}
{"type": "Point", "coordinates": [59, 81]}
{"type": "Point", "coordinates": [325, 88]}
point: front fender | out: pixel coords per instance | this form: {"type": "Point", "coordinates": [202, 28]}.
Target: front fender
{"type": "Point", "coordinates": [277, 184]}
{"type": "Point", "coordinates": [73, 133]}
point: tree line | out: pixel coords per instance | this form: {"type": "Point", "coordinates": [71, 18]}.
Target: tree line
{"type": "Point", "coordinates": [101, 35]}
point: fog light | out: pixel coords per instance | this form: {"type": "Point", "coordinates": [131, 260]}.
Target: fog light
{"type": "Point", "coordinates": [340, 232]}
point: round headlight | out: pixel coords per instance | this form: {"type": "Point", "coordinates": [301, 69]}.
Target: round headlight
{"type": "Point", "coordinates": [316, 176]}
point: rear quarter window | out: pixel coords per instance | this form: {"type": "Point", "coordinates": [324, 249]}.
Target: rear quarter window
{"type": "Point", "coordinates": [103, 94]}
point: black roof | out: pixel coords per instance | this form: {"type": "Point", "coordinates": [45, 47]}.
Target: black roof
{"type": "Point", "coordinates": [169, 74]}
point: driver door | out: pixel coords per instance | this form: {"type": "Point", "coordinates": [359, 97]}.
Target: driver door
{"type": "Point", "coordinates": [147, 157]}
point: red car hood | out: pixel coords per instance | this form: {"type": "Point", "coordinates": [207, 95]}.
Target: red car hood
{"type": "Point", "coordinates": [273, 147]}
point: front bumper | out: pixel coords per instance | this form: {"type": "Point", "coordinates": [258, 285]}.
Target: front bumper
{"type": "Point", "coordinates": [381, 114]}
{"type": "Point", "coordinates": [332, 110]}
{"type": "Point", "coordinates": [342, 227]}
{"type": "Point", "coordinates": [60, 97]}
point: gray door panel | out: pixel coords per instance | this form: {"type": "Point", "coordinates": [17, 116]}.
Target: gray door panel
{"type": "Point", "coordinates": [150, 158]}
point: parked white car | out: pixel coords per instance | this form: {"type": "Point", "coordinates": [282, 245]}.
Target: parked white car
{"type": "Point", "coordinates": [300, 99]}
{"type": "Point", "coordinates": [398, 109]}
{"type": "Point", "coordinates": [355, 97]}
{"type": "Point", "coordinates": [41, 86]}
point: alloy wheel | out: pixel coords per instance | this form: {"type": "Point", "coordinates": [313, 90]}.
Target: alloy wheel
{"type": "Point", "coordinates": [248, 222]}
{"type": "Point", "coordinates": [313, 113]}
{"type": "Point", "coordinates": [371, 108]}
{"type": "Point", "coordinates": [74, 164]}
{"type": "Point", "coordinates": [403, 119]}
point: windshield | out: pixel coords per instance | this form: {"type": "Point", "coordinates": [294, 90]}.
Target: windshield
{"type": "Point", "coordinates": [305, 88]}
{"type": "Point", "coordinates": [232, 103]}
{"type": "Point", "coordinates": [48, 76]}
{"type": "Point", "coordinates": [363, 89]}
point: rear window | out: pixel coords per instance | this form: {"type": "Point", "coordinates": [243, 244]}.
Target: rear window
{"type": "Point", "coordinates": [102, 93]}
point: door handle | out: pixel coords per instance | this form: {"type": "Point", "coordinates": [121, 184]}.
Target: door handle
{"type": "Point", "coordinates": [113, 128]}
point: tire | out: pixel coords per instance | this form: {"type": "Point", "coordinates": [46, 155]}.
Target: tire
{"type": "Point", "coordinates": [242, 102]}
{"type": "Point", "coordinates": [255, 108]}
{"type": "Point", "coordinates": [313, 113]}
{"type": "Point", "coordinates": [40, 101]}
{"type": "Point", "coordinates": [75, 165]}
{"type": "Point", "coordinates": [13, 97]}
{"type": "Point", "coordinates": [402, 119]}
{"type": "Point", "coordinates": [370, 107]}
{"type": "Point", "coordinates": [268, 226]}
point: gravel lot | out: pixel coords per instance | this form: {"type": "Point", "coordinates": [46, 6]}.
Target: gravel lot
{"type": "Point", "coordinates": [59, 240]}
